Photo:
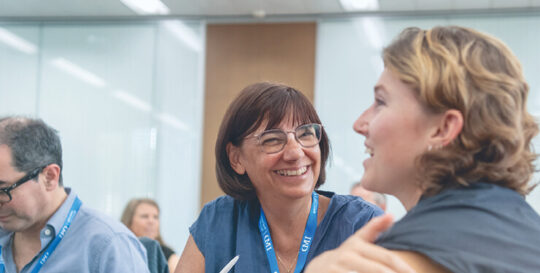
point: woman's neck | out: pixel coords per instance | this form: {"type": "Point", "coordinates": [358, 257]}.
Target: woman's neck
{"type": "Point", "coordinates": [284, 212]}
{"type": "Point", "coordinates": [409, 197]}
{"type": "Point", "coordinates": [286, 220]}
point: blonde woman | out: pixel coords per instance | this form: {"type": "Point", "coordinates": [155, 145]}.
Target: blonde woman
{"type": "Point", "coordinates": [141, 216]}
{"type": "Point", "coordinates": [449, 135]}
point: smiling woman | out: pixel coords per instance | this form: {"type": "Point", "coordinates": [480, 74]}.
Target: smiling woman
{"type": "Point", "coordinates": [449, 135]}
{"type": "Point", "coordinates": [271, 152]}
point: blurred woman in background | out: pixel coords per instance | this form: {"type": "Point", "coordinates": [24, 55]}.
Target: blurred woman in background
{"type": "Point", "coordinates": [141, 216]}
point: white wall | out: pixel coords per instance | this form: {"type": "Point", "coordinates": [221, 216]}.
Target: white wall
{"type": "Point", "coordinates": [127, 99]}
{"type": "Point", "coordinates": [349, 64]}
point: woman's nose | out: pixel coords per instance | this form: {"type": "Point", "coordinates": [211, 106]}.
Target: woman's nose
{"type": "Point", "coordinates": [361, 124]}
{"type": "Point", "coordinates": [292, 150]}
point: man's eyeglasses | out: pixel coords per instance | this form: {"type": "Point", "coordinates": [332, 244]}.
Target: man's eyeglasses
{"type": "Point", "coordinates": [274, 140]}
{"type": "Point", "coordinates": [5, 193]}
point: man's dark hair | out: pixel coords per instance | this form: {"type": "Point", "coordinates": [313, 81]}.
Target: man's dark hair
{"type": "Point", "coordinates": [33, 143]}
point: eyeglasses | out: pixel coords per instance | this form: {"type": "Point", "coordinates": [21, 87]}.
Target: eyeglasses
{"type": "Point", "coordinates": [274, 140]}
{"type": "Point", "coordinates": [5, 193]}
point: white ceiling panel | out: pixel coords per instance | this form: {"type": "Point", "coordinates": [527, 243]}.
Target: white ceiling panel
{"type": "Point", "coordinates": [225, 7]}
{"type": "Point", "coordinates": [323, 6]}
{"type": "Point", "coordinates": [185, 6]}
{"type": "Point", "coordinates": [283, 7]}
{"type": "Point", "coordinates": [63, 8]}
{"type": "Point", "coordinates": [396, 5]}
{"type": "Point", "coordinates": [111, 8]}
{"type": "Point", "coordinates": [435, 4]}
{"type": "Point", "coordinates": [472, 4]}
{"type": "Point", "coordinates": [510, 3]}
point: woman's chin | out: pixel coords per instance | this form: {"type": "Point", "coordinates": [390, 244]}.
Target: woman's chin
{"type": "Point", "coordinates": [368, 183]}
{"type": "Point", "coordinates": [298, 193]}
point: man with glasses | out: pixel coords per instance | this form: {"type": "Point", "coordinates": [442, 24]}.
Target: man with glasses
{"type": "Point", "coordinates": [44, 227]}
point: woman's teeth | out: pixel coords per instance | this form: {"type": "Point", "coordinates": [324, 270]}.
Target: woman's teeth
{"type": "Point", "coordinates": [369, 151]}
{"type": "Point", "coordinates": [292, 172]}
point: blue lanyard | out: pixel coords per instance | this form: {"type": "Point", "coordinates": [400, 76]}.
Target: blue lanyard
{"type": "Point", "coordinates": [52, 246]}
{"type": "Point", "coordinates": [2, 265]}
{"type": "Point", "coordinates": [45, 256]}
{"type": "Point", "coordinates": [309, 231]}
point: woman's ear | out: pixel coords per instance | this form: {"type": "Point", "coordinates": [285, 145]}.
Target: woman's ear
{"type": "Point", "coordinates": [234, 158]}
{"type": "Point", "coordinates": [450, 125]}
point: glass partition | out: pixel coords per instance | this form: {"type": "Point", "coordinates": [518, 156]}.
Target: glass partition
{"type": "Point", "coordinates": [127, 99]}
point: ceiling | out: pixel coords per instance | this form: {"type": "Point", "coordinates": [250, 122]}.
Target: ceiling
{"type": "Point", "coordinates": [203, 8]}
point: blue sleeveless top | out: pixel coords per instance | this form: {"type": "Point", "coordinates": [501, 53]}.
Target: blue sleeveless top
{"type": "Point", "coordinates": [480, 228]}
{"type": "Point", "coordinates": [227, 227]}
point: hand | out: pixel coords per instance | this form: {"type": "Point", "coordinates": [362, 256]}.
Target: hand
{"type": "Point", "coordinates": [359, 254]}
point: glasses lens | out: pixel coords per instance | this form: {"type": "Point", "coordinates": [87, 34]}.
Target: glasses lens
{"type": "Point", "coordinates": [4, 197]}
{"type": "Point", "coordinates": [273, 141]}
{"type": "Point", "coordinates": [308, 135]}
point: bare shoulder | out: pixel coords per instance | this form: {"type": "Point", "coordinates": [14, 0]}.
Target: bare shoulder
{"type": "Point", "coordinates": [191, 260]}
{"type": "Point", "coordinates": [419, 262]}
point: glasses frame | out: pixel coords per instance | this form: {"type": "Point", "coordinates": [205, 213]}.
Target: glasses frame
{"type": "Point", "coordinates": [29, 176]}
{"type": "Point", "coordinates": [258, 137]}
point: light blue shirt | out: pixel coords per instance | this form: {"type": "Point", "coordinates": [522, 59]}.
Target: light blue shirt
{"type": "Point", "coordinates": [93, 243]}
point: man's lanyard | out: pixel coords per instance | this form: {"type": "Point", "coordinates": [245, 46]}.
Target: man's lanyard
{"type": "Point", "coordinates": [52, 246]}
{"type": "Point", "coordinates": [309, 231]}
{"type": "Point", "coordinates": [2, 265]}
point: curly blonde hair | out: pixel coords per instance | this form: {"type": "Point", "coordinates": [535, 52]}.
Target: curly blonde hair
{"type": "Point", "coordinates": [459, 68]}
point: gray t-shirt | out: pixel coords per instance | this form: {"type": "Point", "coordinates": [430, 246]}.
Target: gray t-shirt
{"type": "Point", "coordinates": [480, 228]}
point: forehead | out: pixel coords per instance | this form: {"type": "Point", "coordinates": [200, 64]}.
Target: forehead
{"type": "Point", "coordinates": [273, 111]}
{"type": "Point", "coordinates": [6, 168]}
{"type": "Point", "coordinates": [145, 207]}
{"type": "Point", "coordinates": [287, 123]}
{"type": "Point", "coordinates": [388, 77]}
{"type": "Point", "coordinates": [294, 115]}
{"type": "Point", "coordinates": [390, 84]}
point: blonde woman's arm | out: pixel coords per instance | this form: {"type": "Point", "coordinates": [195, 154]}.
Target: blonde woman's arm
{"type": "Point", "coordinates": [359, 254]}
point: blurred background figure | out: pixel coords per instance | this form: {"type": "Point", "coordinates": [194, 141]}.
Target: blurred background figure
{"type": "Point", "coordinates": [376, 198]}
{"type": "Point", "coordinates": [141, 216]}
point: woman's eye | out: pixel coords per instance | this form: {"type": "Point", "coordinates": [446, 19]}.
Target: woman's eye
{"type": "Point", "coordinates": [379, 102]}
{"type": "Point", "coordinates": [271, 141]}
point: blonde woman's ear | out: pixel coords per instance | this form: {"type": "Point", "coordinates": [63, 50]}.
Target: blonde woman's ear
{"type": "Point", "coordinates": [451, 124]}
{"type": "Point", "coordinates": [234, 158]}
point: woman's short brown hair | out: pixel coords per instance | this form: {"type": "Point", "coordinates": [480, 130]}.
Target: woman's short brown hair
{"type": "Point", "coordinates": [459, 68]}
{"type": "Point", "coordinates": [258, 103]}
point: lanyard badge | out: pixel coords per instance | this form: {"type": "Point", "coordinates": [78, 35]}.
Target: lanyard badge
{"type": "Point", "coordinates": [307, 238]}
